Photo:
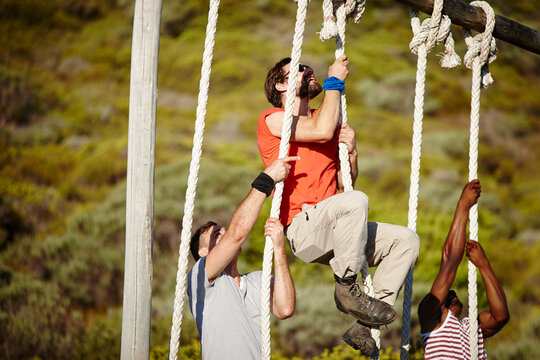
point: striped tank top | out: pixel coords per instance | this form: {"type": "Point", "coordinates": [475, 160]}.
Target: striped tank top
{"type": "Point", "coordinates": [451, 341]}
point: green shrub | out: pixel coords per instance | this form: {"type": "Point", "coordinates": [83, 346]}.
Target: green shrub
{"type": "Point", "coordinates": [36, 320]}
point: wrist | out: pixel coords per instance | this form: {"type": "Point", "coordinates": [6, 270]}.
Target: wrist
{"type": "Point", "coordinates": [483, 265]}
{"type": "Point", "coordinates": [463, 206]}
{"type": "Point", "coordinates": [354, 153]}
{"type": "Point", "coordinates": [264, 183]}
{"type": "Point", "coordinates": [333, 83]}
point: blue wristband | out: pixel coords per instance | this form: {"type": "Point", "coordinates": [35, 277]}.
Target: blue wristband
{"type": "Point", "coordinates": [333, 83]}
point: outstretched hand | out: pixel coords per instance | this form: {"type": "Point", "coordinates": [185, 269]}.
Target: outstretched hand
{"type": "Point", "coordinates": [471, 192]}
{"type": "Point", "coordinates": [279, 169]}
{"type": "Point", "coordinates": [340, 68]}
{"type": "Point", "coordinates": [475, 253]}
{"type": "Point", "coordinates": [274, 229]}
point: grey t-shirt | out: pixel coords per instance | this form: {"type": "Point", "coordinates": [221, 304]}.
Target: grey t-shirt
{"type": "Point", "coordinates": [228, 316]}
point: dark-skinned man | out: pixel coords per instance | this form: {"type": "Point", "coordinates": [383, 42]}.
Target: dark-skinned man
{"type": "Point", "coordinates": [444, 335]}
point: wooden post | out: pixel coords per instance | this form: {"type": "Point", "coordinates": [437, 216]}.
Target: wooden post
{"type": "Point", "coordinates": [137, 305]}
{"type": "Point", "coordinates": [474, 18]}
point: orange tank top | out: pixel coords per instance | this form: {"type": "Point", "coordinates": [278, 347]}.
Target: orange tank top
{"type": "Point", "coordinates": [311, 179]}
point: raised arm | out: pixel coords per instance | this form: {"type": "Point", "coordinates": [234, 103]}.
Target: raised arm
{"type": "Point", "coordinates": [282, 294]}
{"type": "Point", "coordinates": [346, 136]}
{"type": "Point", "coordinates": [490, 321]}
{"type": "Point", "coordinates": [321, 126]}
{"type": "Point", "coordinates": [430, 309]}
{"type": "Point", "coordinates": [242, 222]}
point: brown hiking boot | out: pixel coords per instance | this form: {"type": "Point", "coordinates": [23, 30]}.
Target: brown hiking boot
{"type": "Point", "coordinates": [359, 338]}
{"type": "Point", "coordinates": [350, 299]}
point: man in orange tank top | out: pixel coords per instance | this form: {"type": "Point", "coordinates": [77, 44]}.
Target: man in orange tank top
{"type": "Point", "coordinates": [444, 336]}
{"type": "Point", "coordinates": [324, 225]}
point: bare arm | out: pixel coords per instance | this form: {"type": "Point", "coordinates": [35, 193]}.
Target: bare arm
{"type": "Point", "coordinates": [490, 321]}
{"type": "Point", "coordinates": [346, 136]}
{"type": "Point", "coordinates": [320, 127]}
{"type": "Point", "coordinates": [242, 222]}
{"type": "Point", "coordinates": [282, 293]}
{"type": "Point", "coordinates": [430, 309]}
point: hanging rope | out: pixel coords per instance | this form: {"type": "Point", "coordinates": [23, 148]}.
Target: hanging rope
{"type": "Point", "coordinates": [427, 35]}
{"type": "Point", "coordinates": [353, 9]}
{"type": "Point", "coordinates": [481, 50]}
{"type": "Point", "coordinates": [278, 192]}
{"type": "Point", "coordinates": [331, 28]}
{"type": "Point", "coordinates": [196, 153]}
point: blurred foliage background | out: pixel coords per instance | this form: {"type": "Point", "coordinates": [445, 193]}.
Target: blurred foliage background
{"type": "Point", "coordinates": [64, 89]}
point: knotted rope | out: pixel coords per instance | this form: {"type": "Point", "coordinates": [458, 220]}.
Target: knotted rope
{"type": "Point", "coordinates": [278, 192]}
{"type": "Point", "coordinates": [353, 9]}
{"type": "Point", "coordinates": [433, 31]}
{"type": "Point", "coordinates": [331, 28]}
{"type": "Point", "coordinates": [196, 153]}
{"type": "Point", "coordinates": [481, 51]}
{"type": "Point", "coordinates": [427, 35]}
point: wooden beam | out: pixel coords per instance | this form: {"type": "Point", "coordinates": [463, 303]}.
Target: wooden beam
{"type": "Point", "coordinates": [137, 302]}
{"type": "Point", "coordinates": [474, 18]}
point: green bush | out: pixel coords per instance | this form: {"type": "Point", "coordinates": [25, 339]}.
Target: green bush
{"type": "Point", "coordinates": [36, 320]}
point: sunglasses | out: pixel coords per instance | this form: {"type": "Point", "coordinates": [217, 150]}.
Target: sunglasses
{"type": "Point", "coordinates": [301, 68]}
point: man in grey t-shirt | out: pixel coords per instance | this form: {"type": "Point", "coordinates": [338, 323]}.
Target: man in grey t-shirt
{"type": "Point", "coordinates": [225, 304]}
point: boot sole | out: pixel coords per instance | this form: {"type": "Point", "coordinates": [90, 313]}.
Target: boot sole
{"type": "Point", "coordinates": [352, 344]}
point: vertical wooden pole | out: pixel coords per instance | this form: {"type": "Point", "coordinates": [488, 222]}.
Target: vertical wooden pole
{"type": "Point", "coordinates": [137, 305]}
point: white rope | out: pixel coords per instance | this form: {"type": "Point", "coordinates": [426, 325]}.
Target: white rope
{"type": "Point", "coordinates": [426, 36]}
{"type": "Point", "coordinates": [329, 29]}
{"type": "Point", "coordinates": [353, 9]}
{"type": "Point", "coordinates": [481, 51]}
{"type": "Point", "coordinates": [196, 153]}
{"type": "Point", "coordinates": [278, 192]}
{"type": "Point", "coordinates": [433, 31]}
{"type": "Point", "coordinates": [343, 151]}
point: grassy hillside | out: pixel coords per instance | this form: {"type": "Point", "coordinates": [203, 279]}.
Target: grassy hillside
{"type": "Point", "coordinates": [64, 76]}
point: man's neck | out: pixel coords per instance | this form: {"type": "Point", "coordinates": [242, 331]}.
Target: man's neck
{"type": "Point", "coordinates": [301, 106]}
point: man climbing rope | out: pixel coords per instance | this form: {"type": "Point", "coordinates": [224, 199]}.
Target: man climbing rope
{"type": "Point", "coordinates": [443, 334]}
{"type": "Point", "coordinates": [321, 225]}
{"type": "Point", "coordinates": [225, 304]}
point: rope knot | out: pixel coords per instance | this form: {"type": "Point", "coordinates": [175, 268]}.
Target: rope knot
{"type": "Point", "coordinates": [482, 48]}
{"type": "Point", "coordinates": [353, 9]}
{"type": "Point", "coordinates": [433, 31]}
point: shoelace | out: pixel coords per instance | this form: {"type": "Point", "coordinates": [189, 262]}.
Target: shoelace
{"type": "Point", "coordinates": [356, 292]}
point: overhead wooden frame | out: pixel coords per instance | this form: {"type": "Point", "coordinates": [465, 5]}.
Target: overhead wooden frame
{"type": "Point", "coordinates": [472, 17]}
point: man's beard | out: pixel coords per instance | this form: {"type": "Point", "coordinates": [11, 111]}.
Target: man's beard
{"type": "Point", "coordinates": [310, 89]}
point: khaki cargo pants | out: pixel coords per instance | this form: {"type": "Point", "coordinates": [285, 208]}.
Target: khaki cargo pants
{"type": "Point", "coordinates": [336, 232]}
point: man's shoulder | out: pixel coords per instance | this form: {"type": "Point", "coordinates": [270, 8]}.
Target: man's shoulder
{"type": "Point", "coordinates": [272, 114]}
{"type": "Point", "coordinates": [254, 277]}
{"type": "Point", "coordinates": [274, 110]}
{"type": "Point", "coordinates": [253, 274]}
{"type": "Point", "coordinates": [197, 275]}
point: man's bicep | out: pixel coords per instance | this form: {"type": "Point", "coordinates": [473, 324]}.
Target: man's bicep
{"type": "Point", "coordinates": [303, 128]}
{"type": "Point", "coordinates": [443, 282]}
{"type": "Point", "coordinates": [275, 122]}
{"type": "Point", "coordinates": [488, 324]}
{"type": "Point", "coordinates": [430, 309]}
{"type": "Point", "coordinates": [220, 256]}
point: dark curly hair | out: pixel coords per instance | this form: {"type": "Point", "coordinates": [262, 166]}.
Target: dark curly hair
{"type": "Point", "coordinates": [275, 76]}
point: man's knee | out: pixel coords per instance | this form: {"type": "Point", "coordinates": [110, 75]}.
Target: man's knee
{"type": "Point", "coordinates": [411, 242]}
{"type": "Point", "coordinates": [355, 199]}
